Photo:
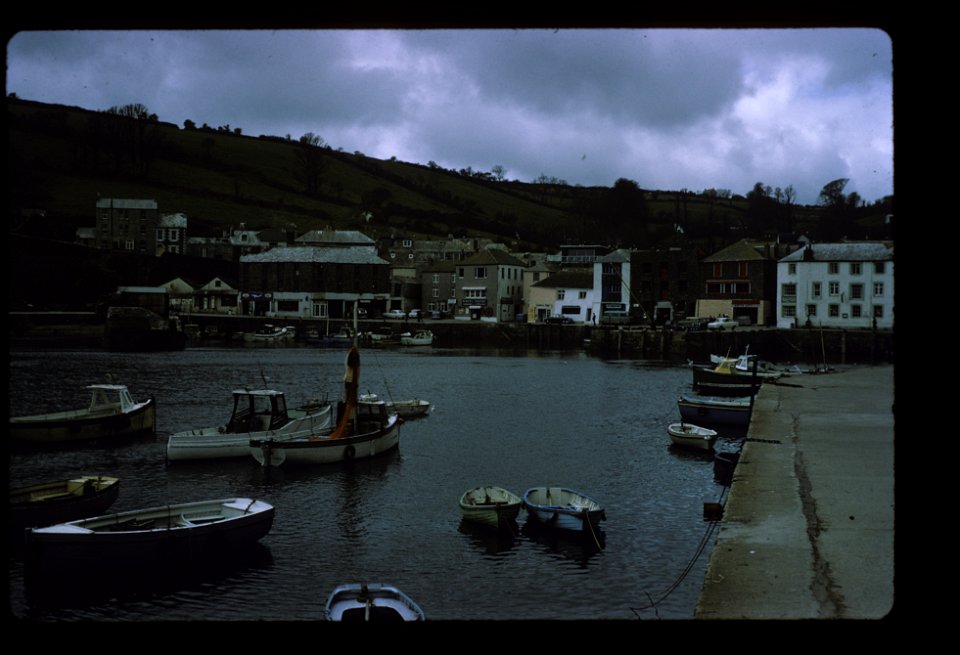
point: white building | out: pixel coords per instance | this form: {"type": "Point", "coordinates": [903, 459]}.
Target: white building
{"type": "Point", "coordinates": [839, 285]}
{"type": "Point", "coordinates": [567, 293]}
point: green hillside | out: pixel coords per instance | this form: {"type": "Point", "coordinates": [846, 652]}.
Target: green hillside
{"type": "Point", "coordinates": [61, 159]}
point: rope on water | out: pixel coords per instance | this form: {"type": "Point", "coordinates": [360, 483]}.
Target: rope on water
{"type": "Point", "coordinates": [711, 528]}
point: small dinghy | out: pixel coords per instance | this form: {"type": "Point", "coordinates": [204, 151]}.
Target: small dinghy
{"type": "Point", "coordinates": [563, 508]}
{"type": "Point", "coordinates": [371, 601]}
{"type": "Point", "coordinates": [63, 500]}
{"type": "Point", "coordinates": [688, 435]}
{"type": "Point", "coordinates": [492, 506]}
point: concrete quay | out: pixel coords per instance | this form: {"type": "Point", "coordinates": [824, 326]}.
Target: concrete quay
{"type": "Point", "coordinates": [808, 525]}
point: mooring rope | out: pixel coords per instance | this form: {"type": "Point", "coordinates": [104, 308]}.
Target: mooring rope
{"type": "Point", "coordinates": [711, 527]}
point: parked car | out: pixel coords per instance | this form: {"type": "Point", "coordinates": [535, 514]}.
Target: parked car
{"type": "Point", "coordinates": [722, 323]}
{"type": "Point", "coordinates": [415, 313]}
{"type": "Point", "coordinates": [558, 320]}
{"type": "Point", "coordinates": [394, 313]}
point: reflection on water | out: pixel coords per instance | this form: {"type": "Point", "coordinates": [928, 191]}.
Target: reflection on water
{"type": "Point", "coordinates": [90, 586]}
{"type": "Point", "coordinates": [509, 419]}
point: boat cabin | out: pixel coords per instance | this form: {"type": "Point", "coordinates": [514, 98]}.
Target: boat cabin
{"type": "Point", "coordinates": [109, 399]}
{"type": "Point", "coordinates": [258, 410]}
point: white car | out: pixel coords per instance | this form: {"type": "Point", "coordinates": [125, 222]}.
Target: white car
{"type": "Point", "coordinates": [722, 323]}
{"type": "Point", "coordinates": [395, 313]}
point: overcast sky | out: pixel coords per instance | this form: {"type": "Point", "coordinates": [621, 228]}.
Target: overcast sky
{"type": "Point", "coordinates": [669, 109]}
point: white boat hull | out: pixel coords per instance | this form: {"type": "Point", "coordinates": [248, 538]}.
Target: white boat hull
{"type": "Point", "coordinates": [321, 449]}
{"type": "Point", "coordinates": [211, 443]}
{"type": "Point", "coordinates": [691, 436]}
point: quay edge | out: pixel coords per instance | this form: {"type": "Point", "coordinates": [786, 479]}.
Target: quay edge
{"type": "Point", "coordinates": [808, 526]}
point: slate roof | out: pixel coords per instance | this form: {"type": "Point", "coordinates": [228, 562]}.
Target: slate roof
{"type": "Point", "coordinates": [567, 280]}
{"type": "Point", "coordinates": [342, 237]}
{"type": "Point", "coordinates": [864, 251]}
{"type": "Point", "coordinates": [493, 258]}
{"type": "Point", "coordinates": [316, 254]}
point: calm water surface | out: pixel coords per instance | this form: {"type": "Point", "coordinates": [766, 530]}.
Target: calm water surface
{"type": "Point", "coordinates": [515, 420]}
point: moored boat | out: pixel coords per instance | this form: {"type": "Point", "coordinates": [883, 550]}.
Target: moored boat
{"type": "Point", "coordinates": [715, 411]}
{"type": "Point", "coordinates": [371, 601]}
{"type": "Point", "coordinates": [563, 508]}
{"type": "Point", "coordinates": [489, 505]}
{"type": "Point", "coordinates": [185, 531]}
{"type": "Point", "coordinates": [257, 414]}
{"type": "Point", "coordinates": [270, 334]}
{"type": "Point", "coordinates": [112, 413]}
{"type": "Point", "coordinates": [418, 338]}
{"type": "Point", "coordinates": [365, 428]}
{"type": "Point", "coordinates": [62, 500]}
{"type": "Point", "coordinates": [688, 435]}
{"type": "Point", "coordinates": [405, 409]}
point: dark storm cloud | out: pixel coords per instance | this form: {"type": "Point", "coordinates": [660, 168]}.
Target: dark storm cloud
{"type": "Point", "coordinates": [669, 109]}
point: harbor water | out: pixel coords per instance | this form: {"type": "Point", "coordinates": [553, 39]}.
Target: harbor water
{"type": "Point", "coordinates": [511, 419]}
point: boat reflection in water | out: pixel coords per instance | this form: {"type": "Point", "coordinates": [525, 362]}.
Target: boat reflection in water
{"type": "Point", "coordinates": [80, 587]}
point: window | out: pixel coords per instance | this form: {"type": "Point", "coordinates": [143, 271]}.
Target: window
{"type": "Point", "coordinates": [789, 311]}
{"type": "Point", "coordinates": [743, 269]}
{"type": "Point", "coordinates": [160, 235]}
{"type": "Point", "coordinates": [856, 311]}
{"type": "Point", "coordinates": [792, 269]}
{"type": "Point", "coordinates": [833, 311]}
{"type": "Point", "coordinates": [503, 273]}
{"type": "Point", "coordinates": [129, 244]}
{"type": "Point", "coordinates": [436, 292]}
{"type": "Point", "coordinates": [880, 268]}
{"type": "Point", "coordinates": [583, 295]}
{"type": "Point", "coordinates": [460, 271]}
{"type": "Point", "coordinates": [288, 305]}
{"type": "Point", "coordinates": [834, 288]}
{"type": "Point", "coordinates": [407, 243]}
{"type": "Point", "coordinates": [173, 249]}
{"type": "Point", "coordinates": [878, 311]}
{"type": "Point", "coordinates": [536, 277]}
{"type": "Point", "coordinates": [436, 278]}
{"type": "Point", "coordinates": [561, 293]}
{"type": "Point", "coordinates": [855, 268]}
{"type": "Point", "coordinates": [856, 292]}
{"type": "Point", "coordinates": [878, 288]}
{"type": "Point", "coordinates": [173, 234]}
{"type": "Point", "coordinates": [833, 268]}
{"type": "Point", "coordinates": [718, 269]}
{"type": "Point", "coordinates": [816, 289]}
{"type": "Point", "coordinates": [319, 309]}
{"type": "Point", "coordinates": [480, 273]}
{"type": "Point", "coordinates": [566, 310]}
{"type": "Point", "coordinates": [788, 290]}
{"type": "Point", "coordinates": [811, 310]}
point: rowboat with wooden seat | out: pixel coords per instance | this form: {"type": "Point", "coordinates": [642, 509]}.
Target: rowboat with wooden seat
{"type": "Point", "coordinates": [492, 506]}
{"type": "Point", "coordinates": [62, 500]}
{"type": "Point", "coordinates": [563, 508]}
{"type": "Point", "coordinates": [688, 435]}
{"type": "Point", "coordinates": [371, 601]}
{"type": "Point", "coordinates": [184, 531]}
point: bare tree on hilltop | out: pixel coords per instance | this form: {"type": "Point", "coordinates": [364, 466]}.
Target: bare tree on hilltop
{"type": "Point", "coordinates": [310, 155]}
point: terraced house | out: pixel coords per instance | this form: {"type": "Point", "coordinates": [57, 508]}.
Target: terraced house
{"type": "Point", "coordinates": [841, 285]}
{"type": "Point", "coordinates": [490, 284]}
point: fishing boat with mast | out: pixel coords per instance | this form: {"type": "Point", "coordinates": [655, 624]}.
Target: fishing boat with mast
{"type": "Point", "coordinates": [365, 427]}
